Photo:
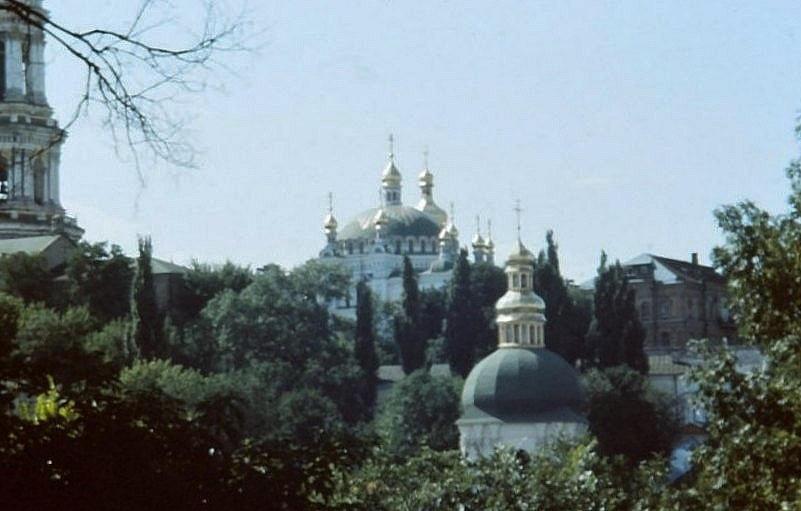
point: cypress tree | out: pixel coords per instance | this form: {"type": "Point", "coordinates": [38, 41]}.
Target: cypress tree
{"type": "Point", "coordinates": [146, 320]}
{"type": "Point", "coordinates": [364, 348]}
{"type": "Point", "coordinates": [616, 336]}
{"type": "Point", "coordinates": [460, 331]}
{"type": "Point", "coordinates": [566, 326]}
{"type": "Point", "coordinates": [408, 332]}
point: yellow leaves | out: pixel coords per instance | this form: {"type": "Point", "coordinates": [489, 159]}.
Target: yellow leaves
{"type": "Point", "coordinates": [47, 406]}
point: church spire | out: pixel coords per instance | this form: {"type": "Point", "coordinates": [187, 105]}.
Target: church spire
{"type": "Point", "coordinates": [427, 204]}
{"type": "Point", "coordinates": [391, 178]}
{"type": "Point", "coordinates": [521, 313]}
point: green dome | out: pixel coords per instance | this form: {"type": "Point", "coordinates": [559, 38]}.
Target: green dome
{"type": "Point", "coordinates": [521, 384]}
{"type": "Point", "coordinates": [403, 221]}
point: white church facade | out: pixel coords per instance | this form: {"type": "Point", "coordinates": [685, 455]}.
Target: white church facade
{"type": "Point", "coordinates": [374, 243]}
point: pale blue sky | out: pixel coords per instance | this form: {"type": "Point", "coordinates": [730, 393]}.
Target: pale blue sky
{"type": "Point", "coordinates": [620, 125]}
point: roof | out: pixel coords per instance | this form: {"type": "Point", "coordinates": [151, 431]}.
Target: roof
{"type": "Point", "coordinates": [665, 365]}
{"type": "Point", "coordinates": [394, 373]}
{"type": "Point", "coordinates": [402, 221]}
{"type": "Point", "coordinates": [523, 385]}
{"type": "Point", "coordinates": [159, 266]}
{"type": "Point", "coordinates": [30, 245]}
{"type": "Point", "coordinates": [668, 271]}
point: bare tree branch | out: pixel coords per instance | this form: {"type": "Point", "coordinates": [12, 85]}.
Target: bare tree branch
{"type": "Point", "coordinates": [136, 80]}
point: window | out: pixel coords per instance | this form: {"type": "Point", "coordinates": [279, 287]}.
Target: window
{"type": "Point", "coordinates": [515, 280]}
{"type": "Point", "coordinates": [517, 333]}
{"type": "Point", "coordinates": [39, 182]}
{"type": "Point", "coordinates": [508, 331]}
{"type": "Point", "coordinates": [2, 69]}
{"type": "Point", "coordinates": [411, 246]}
{"type": "Point", "coordinates": [666, 309]}
{"type": "Point", "coordinates": [361, 247]}
{"type": "Point", "coordinates": [645, 311]}
{"type": "Point", "coordinates": [532, 334]}
{"type": "Point", "coordinates": [397, 246]}
{"type": "Point", "coordinates": [423, 246]}
{"type": "Point", "coordinates": [523, 280]}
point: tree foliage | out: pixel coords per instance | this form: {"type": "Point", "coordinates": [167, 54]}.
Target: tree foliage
{"type": "Point", "coordinates": [409, 333]}
{"type": "Point", "coordinates": [27, 277]}
{"type": "Point", "coordinates": [364, 344]}
{"type": "Point", "coordinates": [567, 323]}
{"type": "Point", "coordinates": [147, 321]}
{"type": "Point", "coordinates": [460, 329]}
{"type": "Point", "coordinates": [616, 335]}
{"type": "Point", "coordinates": [421, 411]}
{"type": "Point", "coordinates": [626, 418]}
{"type": "Point", "coordinates": [100, 279]}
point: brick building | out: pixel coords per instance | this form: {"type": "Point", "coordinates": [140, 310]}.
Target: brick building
{"type": "Point", "coordinates": [679, 300]}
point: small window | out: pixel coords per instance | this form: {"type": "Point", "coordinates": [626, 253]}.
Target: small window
{"type": "Point", "coordinates": [515, 280]}
{"type": "Point", "coordinates": [532, 334]}
{"type": "Point", "coordinates": [361, 247]}
{"type": "Point", "coordinates": [517, 333]}
{"type": "Point", "coordinates": [411, 246]}
{"type": "Point", "coordinates": [423, 246]}
{"type": "Point", "coordinates": [523, 280]}
{"type": "Point", "coordinates": [645, 311]}
{"type": "Point", "coordinates": [397, 246]}
{"type": "Point", "coordinates": [508, 331]}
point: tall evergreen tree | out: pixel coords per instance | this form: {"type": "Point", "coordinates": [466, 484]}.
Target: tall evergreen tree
{"type": "Point", "coordinates": [364, 348]}
{"type": "Point", "coordinates": [408, 331]}
{"type": "Point", "coordinates": [616, 336]}
{"type": "Point", "coordinates": [145, 317]}
{"type": "Point", "coordinates": [487, 284]}
{"type": "Point", "coordinates": [460, 331]}
{"type": "Point", "coordinates": [566, 327]}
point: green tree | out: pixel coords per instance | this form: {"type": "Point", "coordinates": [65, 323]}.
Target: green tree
{"type": "Point", "coordinates": [408, 331]}
{"type": "Point", "coordinates": [100, 279]}
{"type": "Point", "coordinates": [487, 285]}
{"type": "Point", "coordinates": [627, 418]}
{"type": "Point", "coordinates": [616, 335]}
{"type": "Point", "coordinates": [566, 327]}
{"type": "Point", "coordinates": [364, 348]}
{"type": "Point", "coordinates": [26, 276]}
{"type": "Point", "coordinates": [421, 411]}
{"type": "Point", "coordinates": [147, 321]}
{"type": "Point", "coordinates": [754, 418]}
{"type": "Point", "coordinates": [460, 328]}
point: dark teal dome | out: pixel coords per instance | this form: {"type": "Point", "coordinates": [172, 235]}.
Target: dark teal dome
{"type": "Point", "coordinates": [520, 384]}
{"type": "Point", "coordinates": [402, 221]}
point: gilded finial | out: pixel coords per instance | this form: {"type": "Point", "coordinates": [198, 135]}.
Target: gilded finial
{"type": "Point", "coordinates": [518, 210]}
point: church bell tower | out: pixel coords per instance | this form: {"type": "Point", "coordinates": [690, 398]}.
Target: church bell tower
{"type": "Point", "coordinates": [30, 138]}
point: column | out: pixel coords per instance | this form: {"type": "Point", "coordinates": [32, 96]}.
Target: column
{"type": "Point", "coordinates": [15, 81]}
{"type": "Point", "coordinates": [35, 74]}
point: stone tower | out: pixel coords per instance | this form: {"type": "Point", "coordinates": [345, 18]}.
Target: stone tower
{"type": "Point", "coordinates": [30, 138]}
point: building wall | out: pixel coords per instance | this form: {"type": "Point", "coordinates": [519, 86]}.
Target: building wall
{"type": "Point", "coordinates": [674, 313]}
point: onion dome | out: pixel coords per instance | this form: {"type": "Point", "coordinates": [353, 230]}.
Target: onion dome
{"type": "Point", "coordinates": [403, 221]}
{"type": "Point", "coordinates": [330, 223]}
{"type": "Point", "coordinates": [523, 385]}
{"type": "Point", "coordinates": [426, 178]}
{"type": "Point", "coordinates": [391, 176]}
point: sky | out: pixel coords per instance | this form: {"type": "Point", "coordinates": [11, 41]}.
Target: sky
{"type": "Point", "coordinates": [619, 125]}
